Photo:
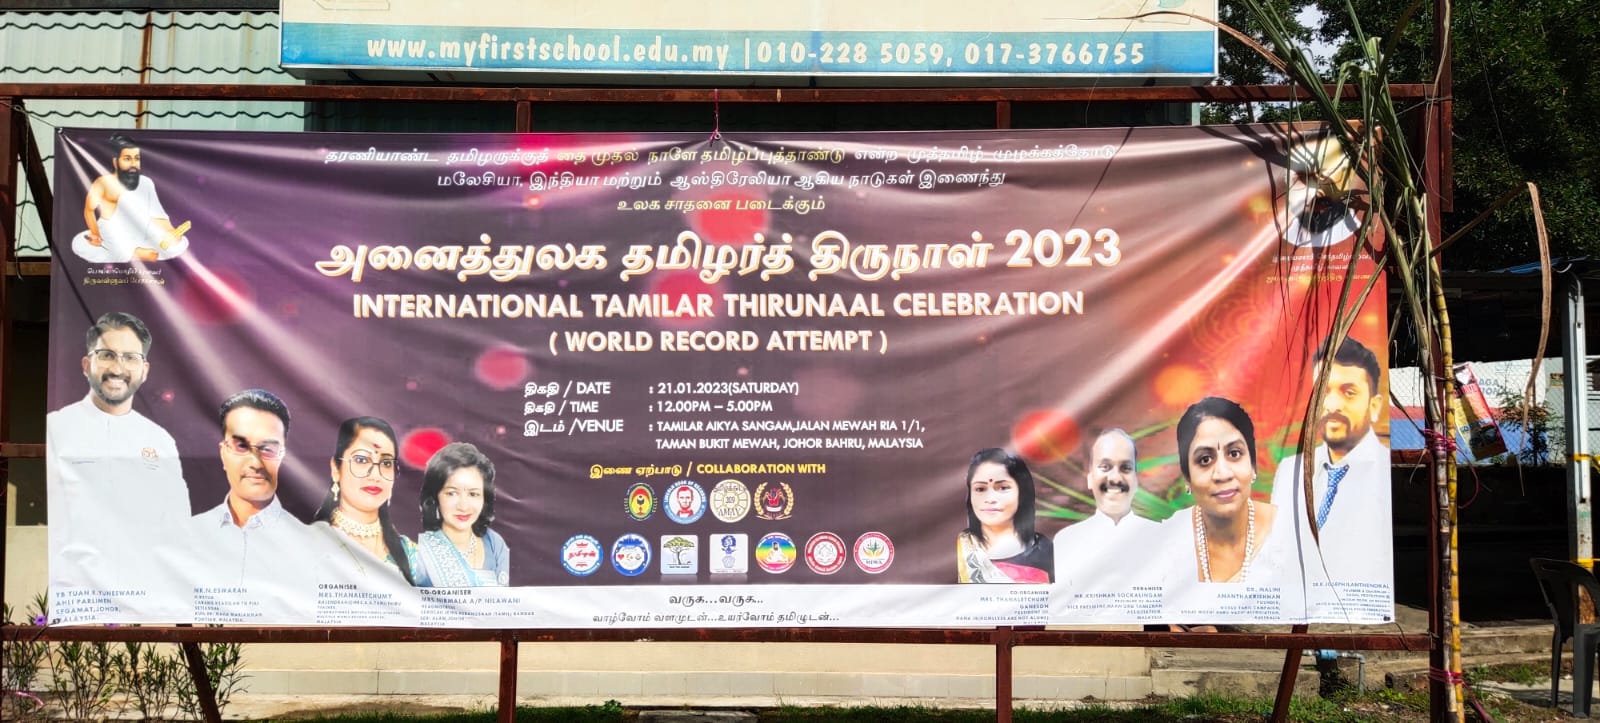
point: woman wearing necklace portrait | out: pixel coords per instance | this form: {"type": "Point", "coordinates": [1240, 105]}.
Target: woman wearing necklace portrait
{"type": "Point", "coordinates": [1000, 544]}
{"type": "Point", "coordinates": [1227, 536]}
{"type": "Point", "coordinates": [456, 547]}
{"type": "Point", "coordinates": [355, 512]}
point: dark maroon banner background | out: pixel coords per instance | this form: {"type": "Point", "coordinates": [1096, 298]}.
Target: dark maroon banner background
{"type": "Point", "coordinates": [1201, 300]}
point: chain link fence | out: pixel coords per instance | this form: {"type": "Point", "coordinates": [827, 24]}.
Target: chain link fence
{"type": "Point", "coordinates": [1504, 385]}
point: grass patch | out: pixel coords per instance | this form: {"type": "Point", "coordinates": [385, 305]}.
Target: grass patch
{"type": "Point", "coordinates": [1521, 673]}
{"type": "Point", "coordinates": [1223, 708]}
{"type": "Point", "coordinates": [609, 712]}
{"type": "Point", "coordinates": [873, 715]}
{"type": "Point", "coordinates": [391, 717]}
{"type": "Point", "coordinates": [1385, 706]}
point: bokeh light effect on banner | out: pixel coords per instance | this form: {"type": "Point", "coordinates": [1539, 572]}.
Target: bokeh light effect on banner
{"type": "Point", "coordinates": [655, 380]}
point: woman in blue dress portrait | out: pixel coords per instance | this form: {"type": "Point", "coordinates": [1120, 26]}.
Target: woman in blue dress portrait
{"type": "Point", "coordinates": [456, 547]}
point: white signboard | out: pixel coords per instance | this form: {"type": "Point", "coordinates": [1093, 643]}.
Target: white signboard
{"type": "Point", "coordinates": [909, 38]}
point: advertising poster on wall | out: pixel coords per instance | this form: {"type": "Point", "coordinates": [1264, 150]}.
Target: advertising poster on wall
{"type": "Point", "coordinates": [661, 380]}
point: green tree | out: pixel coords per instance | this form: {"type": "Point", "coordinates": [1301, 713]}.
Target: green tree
{"type": "Point", "coordinates": [1525, 89]}
{"type": "Point", "coordinates": [1242, 65]}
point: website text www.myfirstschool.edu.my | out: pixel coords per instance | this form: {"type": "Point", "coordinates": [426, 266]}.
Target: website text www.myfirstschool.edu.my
{"type": "Point", "coordinates": [635, 51]}
{"type": "Point", "coordinates": [489, 50]}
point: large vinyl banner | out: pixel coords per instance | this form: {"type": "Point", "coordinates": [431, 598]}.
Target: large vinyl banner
{"type": "Point", "coordinates": [661, 380]}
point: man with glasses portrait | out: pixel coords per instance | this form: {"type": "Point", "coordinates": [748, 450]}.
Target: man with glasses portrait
{"type": "Point", "coordinates": [255, 423]}
{"type": "Point", "coordinates": [114, 480]}
{"type": "Point", "coordinates": [254, 551]}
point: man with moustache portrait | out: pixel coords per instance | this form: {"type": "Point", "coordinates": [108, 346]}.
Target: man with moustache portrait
{"type": "Point", "coordinates": [124, 215]}
{"type": "Point", "coordinates": [113, 477]}
{"type": "Point", "coordinates": [1350, 485]}
{"type": "Point", "coordinates": [250, 541]}
{"type": "Point", "coordinates": [1088, 552]}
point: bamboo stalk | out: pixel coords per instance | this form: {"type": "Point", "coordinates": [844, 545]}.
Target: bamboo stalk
{"type": "Point", "coordinates": [1445, 471]}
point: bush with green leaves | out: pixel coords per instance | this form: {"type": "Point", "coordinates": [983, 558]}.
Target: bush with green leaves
{"type": "Point", "coordinates": [94, 680]}
{"type": "Point", "coordinates": [20, 664]}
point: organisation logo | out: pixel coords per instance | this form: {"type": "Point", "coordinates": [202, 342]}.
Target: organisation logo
{"type": "Point", "coordinates": [1321, 222]}
{"type": "Point", "coordinates": [685, 502]}
{"type": "Point", "coordinates": [874, 552]}
{"type": "Point", "coordinates": [630, 554]}
{"type": "Point", "coordinates": [1319, 209]}
{"type": "Point", "coordinates": [641, 501]}
{"type": "Point", "coordinates": [581, 555]}
{"type": "Point", "coordinates": [775, 553]}
{"type": "Point", "coordinates": [680, 554]}
{"type": "Point", "coordinates": [729, 553]}
{"type": "Point", "coordinates": [825, 553]}
{"type": "Point", "coordinates": [774, 501]}
{"type": "Point", "coordinates": [730, 500]}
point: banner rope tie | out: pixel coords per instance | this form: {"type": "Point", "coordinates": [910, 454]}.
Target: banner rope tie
{"type": "Point", "coordinates": [1439, 442]}
{"type": "Point", "coordinates": [1446, 676]}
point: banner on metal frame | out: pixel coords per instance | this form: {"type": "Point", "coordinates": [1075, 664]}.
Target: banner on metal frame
{"type": "Point", "coordinates": [655, 380]}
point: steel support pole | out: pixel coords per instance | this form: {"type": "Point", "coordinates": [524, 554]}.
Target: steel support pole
{"type": "Point", "coordinates": [1575, 354]}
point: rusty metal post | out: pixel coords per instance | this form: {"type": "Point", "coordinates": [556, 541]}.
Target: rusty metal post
{"type": "Point", "coordinates": [13, 128]}
{"type": "Point", "coordinates": [1286, 679]}
{"type": "Point", "coordinates": [1444, 104]}
{"type": "Point", "coordinates": [38, 185]}
{"type": "Point", "coordinates": [202, 683]}
{"type": "Point", "coordinates": [524, 116]}
{"type": "Point", "coordinates": [508, 678]}
{"type": "Point", "coordinates": [1002, 674]}
{"type": "Point", "coordinates": [146, 41]}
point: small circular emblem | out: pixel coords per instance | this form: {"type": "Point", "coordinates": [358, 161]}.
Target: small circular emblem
{"type": "Point", "coordinates": [775, 553]}
{"type": "Point", "coordinates": [581, 555]}
{"type": "Point", "coordinates": [685, 502]}
{"type": "Point", "coordinates": [825, 553]}
{"type": "Point", "coordinates": [730, 500]}
{"type": "Point", "coordinates": [641, 501]}
{"type": "Point", "coordinates": [774, 501]}
{"type": "Point", "coordinates": [630, 554]}
{"type": "Point", "coordinates": [874, 552]}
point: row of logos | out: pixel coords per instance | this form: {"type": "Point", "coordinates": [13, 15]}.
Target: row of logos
{"type": "Point", "coordinates": [730, 501]}
{"type": "Point", "coordinates": [730, 553]}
